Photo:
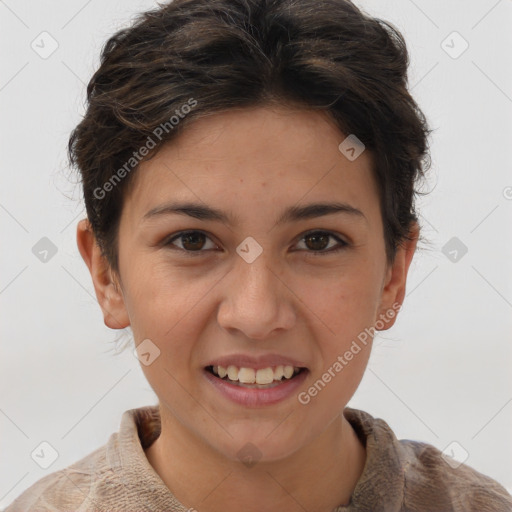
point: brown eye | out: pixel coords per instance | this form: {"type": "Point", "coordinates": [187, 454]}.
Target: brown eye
{"type": "Point", "coordinates": [318, 242]}
{"type": "Point", "coordinates": [191, 241]}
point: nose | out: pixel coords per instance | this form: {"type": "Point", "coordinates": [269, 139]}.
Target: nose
{"type": "Point", "coordinates": [256, 301]}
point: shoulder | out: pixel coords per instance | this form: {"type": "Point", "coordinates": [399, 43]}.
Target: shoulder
{"type": "Point", "coordinates": [67, 489]}
{"type": "Point", "coordinates": [113, 477]}
{"type": "Point", "coordinates": [418, 477]}
{"type": "Point", "coordinates": [428, 471]}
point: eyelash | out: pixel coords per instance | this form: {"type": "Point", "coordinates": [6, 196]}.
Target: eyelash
{"type": "Point", "coordinates": [323, 252]}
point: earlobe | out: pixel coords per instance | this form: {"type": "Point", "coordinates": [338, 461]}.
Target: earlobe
{"type": "Point", "coordinates": [108, 291]}
{"type": "Point", "coordinates": [393, 291]}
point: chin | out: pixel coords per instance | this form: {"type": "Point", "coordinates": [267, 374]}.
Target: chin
{"type": "Point", "coordinates": [258, 445]}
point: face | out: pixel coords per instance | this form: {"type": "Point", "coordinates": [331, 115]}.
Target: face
{"type": "Point", "coordinates": [254, 278]}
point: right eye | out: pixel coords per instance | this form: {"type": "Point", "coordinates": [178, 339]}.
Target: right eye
{"type": "Point", "coordinates": [191, 241]}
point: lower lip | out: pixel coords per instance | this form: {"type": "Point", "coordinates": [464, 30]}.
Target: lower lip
{"type": "Point", "coordinates": [257, 397]}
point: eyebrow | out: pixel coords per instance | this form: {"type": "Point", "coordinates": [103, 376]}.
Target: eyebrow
{"type": "Point", "coordinates": [291, 214]}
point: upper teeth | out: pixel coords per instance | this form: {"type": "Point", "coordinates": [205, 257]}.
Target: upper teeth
{"type": "Point", "coordinates": [252, 376]}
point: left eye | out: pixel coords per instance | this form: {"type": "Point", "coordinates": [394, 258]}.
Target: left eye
{"type": "Point", "coordinates": [316, 241]}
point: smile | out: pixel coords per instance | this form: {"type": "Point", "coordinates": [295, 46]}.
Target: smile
{"type": "Point", "coordinates": [255, 378]}
{"type": "Point", "coordinates": [252, 387]}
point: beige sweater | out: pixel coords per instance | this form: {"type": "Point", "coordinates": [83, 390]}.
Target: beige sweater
{"type": "Point", "coordinates": [398, 476]}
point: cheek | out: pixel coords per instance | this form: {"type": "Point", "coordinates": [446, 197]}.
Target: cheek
{"type": "Point", "coordinates": [347, 308]}
{"type": "Point", "coordinates": [161, 298]}
{"type": "Point", "coordinates": [166, 305]}
{"type": "Point", "coordinates": [334, 386]}
{"type": "Point", "coordinates": [344, 304]}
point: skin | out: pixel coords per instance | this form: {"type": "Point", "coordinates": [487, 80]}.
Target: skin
{"type": "Point", "coordinates": [252, 163]}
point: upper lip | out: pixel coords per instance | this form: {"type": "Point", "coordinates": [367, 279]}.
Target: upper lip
{"type": "Point", "coordinates": [256, 362]}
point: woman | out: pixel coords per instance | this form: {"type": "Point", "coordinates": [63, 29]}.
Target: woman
{"type": "Point", "coordinates": [249, 172]}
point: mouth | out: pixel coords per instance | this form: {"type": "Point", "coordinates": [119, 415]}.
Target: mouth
{"type": "Point", "coordinates": [262, 378]}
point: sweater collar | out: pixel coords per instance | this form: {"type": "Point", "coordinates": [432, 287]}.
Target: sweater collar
{"type": "Point", "coordinates": [382, 479]}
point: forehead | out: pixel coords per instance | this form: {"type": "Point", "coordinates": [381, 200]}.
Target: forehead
{"type": "Point", "coordinates": [254, 158]}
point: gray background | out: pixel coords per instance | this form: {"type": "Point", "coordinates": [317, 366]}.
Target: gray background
{"type": "Point", "coordinates": [441, 375]}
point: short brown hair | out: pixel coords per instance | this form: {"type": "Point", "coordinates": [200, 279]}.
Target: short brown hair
{"type": "Point", "coordinates": [228, 54]}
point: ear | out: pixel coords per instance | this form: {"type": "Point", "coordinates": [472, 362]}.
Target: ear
{"type": "Point", "coordinates": [108, 291]}
{"type": "Point", "coordinates": [393, 291]}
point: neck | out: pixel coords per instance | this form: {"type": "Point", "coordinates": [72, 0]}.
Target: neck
{"type": "Point", "coordinates": [318, 477]}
